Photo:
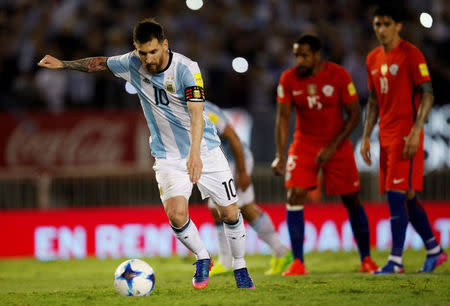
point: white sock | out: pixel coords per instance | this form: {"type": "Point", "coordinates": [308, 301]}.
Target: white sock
{"type": "Point", "coordinates": [235, 234]}
{"type": "Point", "coordinates": [397, 259]}
{"type": "Point", "coordinates": [189, 236]}
{"type": "Point", "coordinates": [434, 251]}
{"type": "Point", "coordinates": [225, 257]}
{"type": "Point", "coordinates": [263, 226]}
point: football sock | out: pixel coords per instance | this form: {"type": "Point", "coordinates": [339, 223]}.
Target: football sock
{"type": "Point", "coordinates": [189, 236]}
{"type": "Point", "coordinates": [224, 250]}
{"type": "Point", "coordinates": [235, 233]}
{"type": "Point", "coordinates": [360, 228]}
{"type": "Point", "coordinates": [419, 220]}
{"type": "Point", "coordinates": [296, 227]}
{"type": "Point", "coordinates": [399, 221]}
{"type": "Point", "coordinates": [396, 259]}
{"type": "Point", "coordinates": [263, 226]}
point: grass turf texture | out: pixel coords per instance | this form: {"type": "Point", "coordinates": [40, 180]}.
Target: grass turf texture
{"type": "Point", "coordinates": [332, 279]}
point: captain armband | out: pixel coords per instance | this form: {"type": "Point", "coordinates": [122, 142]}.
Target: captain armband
{"type": "Point", "coordinates": [194, 94]}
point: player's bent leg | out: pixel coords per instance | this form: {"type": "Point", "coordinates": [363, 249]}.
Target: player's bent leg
{"type": "Point", "coordinates": [263, 226]}
{"type": "Point", "coordinates": [296, 226]}
{"type": "Point", "coordinates": [235, 233]}
{"type": "Point", "coordinates": [233, 224]}
{"type": "Point", "coordinates": [419, 220]}
{"type": "Point", "coordinates": [176, 209]}
{"type": "Point", "coordinates": [250, 212]}
{"type": "Point", "coordinates": [223, 264]}
{"type": "Point", "coordinates": [261, 222]}
{"type": "Point", "coordinates": [360, 229]}
{"type": "Point", "coordinates": [187, 233]}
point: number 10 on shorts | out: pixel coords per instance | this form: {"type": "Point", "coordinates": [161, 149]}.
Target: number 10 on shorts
{"type": "Point", "coordinates": [230, 188]}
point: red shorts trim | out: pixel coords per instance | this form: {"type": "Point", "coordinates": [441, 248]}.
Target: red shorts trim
{"type": "Point", "coordinates": [397, 173]}
{"type": "Point", "coordinates": [340, 173]}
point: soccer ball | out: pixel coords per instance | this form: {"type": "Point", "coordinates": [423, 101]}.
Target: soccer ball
{"type": "Point", "coordinates": [134, 277]}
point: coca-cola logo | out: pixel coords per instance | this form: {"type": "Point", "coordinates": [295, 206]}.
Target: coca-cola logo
{"type": "Point", "coordinates": [86, 142]}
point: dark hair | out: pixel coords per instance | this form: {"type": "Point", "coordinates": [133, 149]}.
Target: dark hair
{"type": "Point", "coordinates": [148, 29]}
{"type": "Point", "coordinates": [311, 40]}
{"type": "Point", "coordinates": [394, 11]}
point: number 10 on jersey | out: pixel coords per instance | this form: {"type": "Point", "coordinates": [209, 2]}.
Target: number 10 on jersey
{"type": "Point", "coordinates": [160, 96]}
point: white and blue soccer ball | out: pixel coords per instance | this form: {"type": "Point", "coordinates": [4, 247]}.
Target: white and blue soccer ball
{"type": "Point", "coordinates": [134, 277]}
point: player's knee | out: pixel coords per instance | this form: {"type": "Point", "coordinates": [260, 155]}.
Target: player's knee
{"type": "Point", "coordinates": [351, 201]}
{"type": "Point", "coordinates": [216, 214]}
{"type": "Point", "coordinates": [296, 196]}
{"type": "Point", "coordinates": [250, 212]}
{"type": "Point", "coordinates": [229, 213]}
{"type": "Point", "coordinates": [177, 215]}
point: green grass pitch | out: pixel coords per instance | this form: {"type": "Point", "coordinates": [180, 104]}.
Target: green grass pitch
{"type": "Point", "coordinates": [333, 279]}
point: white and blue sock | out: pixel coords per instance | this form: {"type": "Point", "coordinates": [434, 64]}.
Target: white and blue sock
{"type": "Point", "coordinates": [189, 236]}
{"type": "Point", "coordinates": [263, 226]}
{"type": "Point", "coordinates": [235, 233]}
{"type": "Point", "coordinates": [225, 257]}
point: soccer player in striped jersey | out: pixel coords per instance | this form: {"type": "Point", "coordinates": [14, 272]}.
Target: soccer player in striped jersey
{"type": "Point", "coordinates": [241, 162]}
{"type": "Point", "coordinates": [401, 95]}
{"type": "Point", "coordinates": [183, 140]}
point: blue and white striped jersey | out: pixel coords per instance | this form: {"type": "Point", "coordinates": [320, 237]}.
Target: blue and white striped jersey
{"type": "Point", "coordinates": [164, 104]}
{"type": "Point", "coordinates": [220, 120]}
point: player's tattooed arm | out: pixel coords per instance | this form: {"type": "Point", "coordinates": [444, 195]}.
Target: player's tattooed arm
{"type": "Point", "coordinates": [371, 114]}
{"type": "Point", "coordinates": [412, 141]}
{"type": "Point", "coordinates": [90, 64]}
{"type": "Point", "coordinates": [426, 102]}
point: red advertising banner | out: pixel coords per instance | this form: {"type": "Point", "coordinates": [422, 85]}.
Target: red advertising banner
{"type": "Point", "coordinates": [46, 141]}
{"type": "Point", "coordinates": [139, 232]}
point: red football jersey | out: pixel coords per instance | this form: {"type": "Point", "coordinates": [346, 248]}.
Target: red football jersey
{"type": "Point", "coordinates": [318, 101]}
{"type": "Point", "coordinates": [394, 77]}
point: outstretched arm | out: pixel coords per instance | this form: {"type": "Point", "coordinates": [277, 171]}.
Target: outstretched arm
{"type": "Point", "coordinates": [426, 102]}
{"type": "Point", "coordinates": [242, 179]}
{"type": "Point", "coordinates": [354, 113]}
{"type": "Point", "coordinates": [370, 121]}
{"type": "Point", "coordinates": [90, 64]}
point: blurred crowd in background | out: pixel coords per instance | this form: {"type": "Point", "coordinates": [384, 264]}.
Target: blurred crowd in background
{"type": "Point", "coordinates": [262, 31]}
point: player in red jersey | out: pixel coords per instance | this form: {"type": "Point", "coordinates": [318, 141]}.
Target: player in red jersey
{"type": "Point", "coordinates": [401, 95]}
{"type": "Point", "coordinates": [318, 90]}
